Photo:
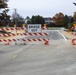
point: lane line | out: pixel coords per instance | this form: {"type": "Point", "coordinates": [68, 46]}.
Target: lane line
{"type": "Point", "coordinates": [63, 36]}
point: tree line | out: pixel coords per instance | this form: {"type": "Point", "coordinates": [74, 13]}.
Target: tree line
{"type": "Point", "coordinates": [59, 19]}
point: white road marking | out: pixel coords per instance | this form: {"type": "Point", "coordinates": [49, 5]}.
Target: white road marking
{"type": "Point", "coordinates": [63, 36]}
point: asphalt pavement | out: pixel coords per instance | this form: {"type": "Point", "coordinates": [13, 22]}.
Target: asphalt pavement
{"type": "Point", "coordinates": [57, 58]}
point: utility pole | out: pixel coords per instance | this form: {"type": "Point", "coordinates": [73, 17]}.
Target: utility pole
{"type": "Point", "coordinates": [15, 16]}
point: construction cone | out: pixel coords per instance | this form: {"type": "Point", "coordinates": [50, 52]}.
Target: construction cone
{"type": "Point", "coordinates": [46, 43]}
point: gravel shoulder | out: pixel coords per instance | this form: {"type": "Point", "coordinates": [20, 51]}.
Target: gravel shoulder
{"type": "Point", "coordinates": [68, 35]}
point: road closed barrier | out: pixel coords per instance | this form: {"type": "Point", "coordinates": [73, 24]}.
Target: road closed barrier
{"type": "Point", "coordinates": [33, 30]}
{"type": "Point", "coordinates": [73, 41]}
{"type": "Point", "coordinates": [25, 34]}
{"type": "Point", "coordinates": [74, 33]}
{"type": "Point", "coordinates": [35, 34]}
{"type": "Point", "coordinates": [24, 40]}
{"type": "Point", "coordinates": [5, 35]}
{"type": "Point", "coordinates": [12, 28]}
{"type": "Point", "coordinates": [18, 28]}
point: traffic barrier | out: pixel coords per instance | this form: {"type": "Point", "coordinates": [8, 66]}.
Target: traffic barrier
{"type": "Point", "coordinates": [35, 40]}
{"type": "Point", "coordinates": [73, 41]}
{"type": "Point", "coordinates": [74, 33]}
{"type": "Point", "coordinates": [8, 41]}
{"type": "Point", "coordinates": [12, 28]}
{"type": "Point", "coordinates": [8, 34]}
{"type": "Point", "coordinates": [35, 34]}
{"type": "Point", "coordinates": [46, 42]}
{"type": "Point", "coordinates": [19, 28]}
{"type": "Point", "coordinates": [26, 34]}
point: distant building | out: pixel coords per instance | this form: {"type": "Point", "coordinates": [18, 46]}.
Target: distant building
{"type": "Point", "coordinates": [48, 20]}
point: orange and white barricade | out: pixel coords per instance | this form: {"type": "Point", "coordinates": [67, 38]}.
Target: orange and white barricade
{"type": "Point", "coordinates": [46, 41]}
{"type": "Point", "coordinates": [8, 41]}
{"type": "Point", "coordinates": [5, 35]}
{"type": "Point", "coordinates": [73, 41]}
{"type": "Point", "coordinates": [26, 34]}
{"type": "Point", "coordinates": [6, 29]}
{"type": "Point", "coordinates": [24, 40]}
{"type": "Point", "coordinates": [35, 34]}
{"type": "Point", "coordinates": [12, 28]}
{"type": "Point", "coordinates": [35, 40]}
{"type": "Point", "coordinates": [74, 33]}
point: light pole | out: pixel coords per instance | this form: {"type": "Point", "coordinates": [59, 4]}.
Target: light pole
{"type": "Point", "coordinates": [15, 16]}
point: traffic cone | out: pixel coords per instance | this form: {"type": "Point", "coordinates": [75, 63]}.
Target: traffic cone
{"type": "Point", "coordinates": [46, 43]}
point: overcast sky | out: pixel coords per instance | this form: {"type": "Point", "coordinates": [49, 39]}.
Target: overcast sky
{"type": "Point", "coordinates": [45, 8]}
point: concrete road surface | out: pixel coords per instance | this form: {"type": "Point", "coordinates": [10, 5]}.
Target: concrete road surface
{"type": "Point", "coordinates": [57, 58]}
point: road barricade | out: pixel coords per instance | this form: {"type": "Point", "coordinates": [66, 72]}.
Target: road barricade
{"type": "Point", "coordinates": [12, 28]}
{"type": "Point", "coordinates": [18, 28]}
{"type": "Point", "coordinates": [24, 40]}
{"type": "Point", "coordinates": [74, 41]}
{"type": "Point", "coordinates": [74, 33]}
{"type": "Point", "coordinates": [35, 34]}
{"type": "Point", "coordinates": [5, 35]}
{"type": "Point", "coordinates": [25, 34]}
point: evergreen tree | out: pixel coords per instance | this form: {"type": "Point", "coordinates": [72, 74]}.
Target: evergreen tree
{"type": "Point", "coordinates": [37, 20]}
{"type": "Point", "coordinates": [4, 18]}
{"type": "Point", "coordinates": [66, 21]}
